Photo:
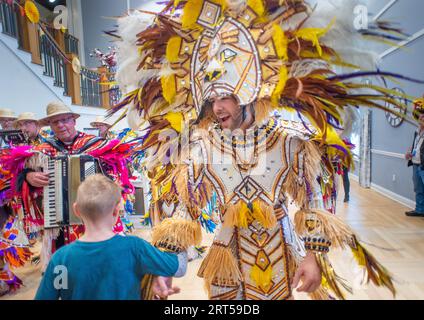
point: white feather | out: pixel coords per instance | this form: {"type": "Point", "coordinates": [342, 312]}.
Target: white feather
{"type": "Point", "coordinates": [128, 56]}
{"type": "Point", "coordinates": [236, 6]}
{"type": "Point", "coordinates": [343, 37]}
{"type": "Point", "coordinates": [135, 119]}
{"type": "Point", "coordinates": [351, 121]}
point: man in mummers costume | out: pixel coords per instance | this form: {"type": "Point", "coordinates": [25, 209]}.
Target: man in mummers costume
{"type": "Point", "coordinates": [229, 65]}
{"type": "Point", "coordinates": [25, 165]}
{"type": "Point", "coordinates": [14, 245]}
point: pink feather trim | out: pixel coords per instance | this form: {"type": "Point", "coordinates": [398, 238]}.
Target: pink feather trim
{"type": "Point", "coordinates": [117, 156]}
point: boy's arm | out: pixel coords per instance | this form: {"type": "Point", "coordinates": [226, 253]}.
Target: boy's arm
{"type": "Point", "coordinates": [46, 290]}
{"type": "Point", "coordinates": [154, 261]}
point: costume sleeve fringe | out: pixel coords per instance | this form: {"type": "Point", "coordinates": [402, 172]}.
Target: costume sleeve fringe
{"type": "Point", "coordinates": [304, 172]}
{"type": "Point", "coordinates": [194, 197]}
{"type": "Point", "coordinates": [220, 268]}
{"type": "Point", "coordinates": [177, 234]}
{"type": "Point", "coordinates": [330, 279]}
{"type": "Point", "coordinates": [320, 224]}
{"type": "Point", "coordinates": [47, 247]}
{"type": "Point", "coordinates": [320, 294]}
{"type": "Point", "coordinates": [375, 272]}
{"type": "Point", "coordinates": [320, 230]}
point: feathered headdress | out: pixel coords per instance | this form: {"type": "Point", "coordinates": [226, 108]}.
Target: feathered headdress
{"type": "Point", "coordinates": [272, 54]}
{"type": "Point", "coordinates": [275, 54]}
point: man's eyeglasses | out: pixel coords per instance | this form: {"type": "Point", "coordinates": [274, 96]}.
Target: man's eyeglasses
{"type": "Point", "coordinates": [64, 121]}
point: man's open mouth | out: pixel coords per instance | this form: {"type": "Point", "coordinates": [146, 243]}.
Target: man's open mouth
{"type": "Point", "coordinates": [224, 118]}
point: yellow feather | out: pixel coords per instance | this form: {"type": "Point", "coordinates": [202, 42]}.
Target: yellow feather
{"type": "Point", "coordinates": [280, 41]}
{"type": "Point", "coordinates": [169, 88]}
{"type": "Point", "coordinates": [191, 13]}
{"type": "Point", "coordinates": [257, 6]}
{"type": "Point", "coordinates": [313, 35]}
{"type": "Point", "coordinates": [176, 120]}
{"type": "Point", "coordinates": [173, 49]}
{"type": "Point", "coordinates": [261, 278]}
{"type": "Point", "coordinates": [280, 86]}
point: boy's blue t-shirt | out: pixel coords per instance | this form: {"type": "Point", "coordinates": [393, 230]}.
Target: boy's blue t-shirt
{"type": "Point", "coordinates": [107, 270]}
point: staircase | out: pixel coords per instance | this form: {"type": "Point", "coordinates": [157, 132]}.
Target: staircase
{"type": "Point", "coordinates": [48, 54]}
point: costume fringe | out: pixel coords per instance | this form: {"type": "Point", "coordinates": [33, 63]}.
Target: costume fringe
{"type": "Point", "coordinates": [341, 236]}
{"type": "Point", "coordinates": [146, 287]}
{"type": "Point", "coordinates": [220, 268]}
{"type": "Point", "coordinates": [47, 246]}
{"type": "Point", "coordinates": [298, 180]}
{"type": "Point", "coordinates": [330, 280]}
{"type": "Point", "coordinates": [375, 272]}
{"type": "Point", "coordinates": [313, 158]}
{"type": "Point", "coordinates": [177, 234]}
{"type": "Point", "coordinates": [320, 294]}
{"type": "Point", "coordinates": [193, 198]}
{"type": "Point", "coordinates": [324, 224]}
{"type": "Point", "coordinates": [293, 262]}
{"type": "Point", "coordinates": [241, 216]}
{"type": "Point", "coordinates": [293, 186]}
{"type": "Point", "coordinates": [36, 162]}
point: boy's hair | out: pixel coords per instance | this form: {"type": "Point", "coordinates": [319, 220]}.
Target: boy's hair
{"type": "Point", "coordinates": [97, 196]}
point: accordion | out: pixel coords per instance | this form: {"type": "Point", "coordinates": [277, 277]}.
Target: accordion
{"type": "Point", "coordinates": [65, 175]}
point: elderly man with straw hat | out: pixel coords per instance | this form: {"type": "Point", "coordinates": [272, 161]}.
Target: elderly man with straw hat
{"type": "Point", "coordinates": [103, 125]}
{"type": "Point", "coordinates": [7, 119]}
{"type": "Point", "coordinates": [66, 141]}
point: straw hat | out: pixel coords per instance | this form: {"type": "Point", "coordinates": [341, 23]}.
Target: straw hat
{"type": "Point", "coordinates": [7, 114]}
{"type": "Point", "coordinates": [27, 116]}
{"type": "Point", "coordinates": [99, 121]}
{"type": "Point", "coordinates": [57, 108]}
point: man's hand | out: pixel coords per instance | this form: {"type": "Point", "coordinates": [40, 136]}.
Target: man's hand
{"type": "Point", "coordinates": [309, 273]}
{"type": "Point", "coordinates": [162, 287]}
{"type": "Point", "coordinates": [37, 179]}
{"type": "Point", "coordinates": [408, 156]}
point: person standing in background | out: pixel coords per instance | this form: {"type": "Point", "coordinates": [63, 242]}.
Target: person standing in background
{"type": "Point", "coordinates": [415, 157]}
{"type": "Point", "coordinates": [103, 125]}
{"type": "Point", "coordinates": [7, 119]}
{"type": "Point", "coordinates": [29, 125]}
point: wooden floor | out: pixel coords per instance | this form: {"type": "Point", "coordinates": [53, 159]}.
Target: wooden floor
{"type": "Point", "coordinates": [397, 242]}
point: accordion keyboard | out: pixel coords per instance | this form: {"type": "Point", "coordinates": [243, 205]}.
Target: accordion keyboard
{"type": "Point", "coordinates": [52, 209]}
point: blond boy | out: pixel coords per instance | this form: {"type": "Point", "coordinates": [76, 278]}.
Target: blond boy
{"type": "Point", "coordinates": [102, 265]}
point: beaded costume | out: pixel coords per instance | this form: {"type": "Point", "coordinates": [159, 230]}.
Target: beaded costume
{"type": "Point", "coordinates": [271, 55]}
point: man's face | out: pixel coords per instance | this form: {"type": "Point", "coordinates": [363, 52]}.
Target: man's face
{"type": "Point", "coordinates": [7, 124]}
{"type": "Point", "coordinates": [29, 127]}
{"type": "Point", "coordinates": [228, 113]}
{"type": "Point", "coordinates": [103, 129]}
{"type": "Point", "coordinates": [63, 126]}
